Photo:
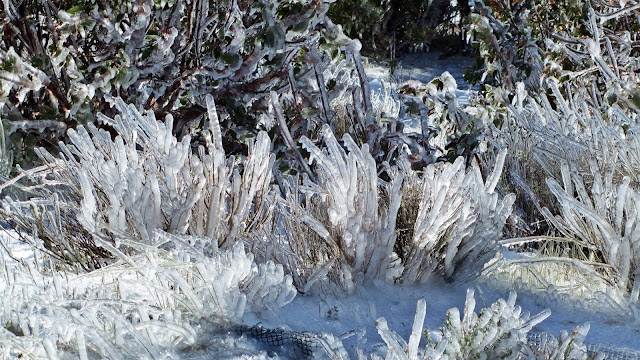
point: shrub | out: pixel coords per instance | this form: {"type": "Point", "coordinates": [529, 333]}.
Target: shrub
{"type": "Point", "coordinates": [148, 305]}
{"type": "Point", "coordinates": [459, 220]}
{"type": "Point", "coordinates": [578, 120]}
{"type": "Point", "coordinates": [449, 129]}
{"type": "Point", "coordinates": [59, 60]}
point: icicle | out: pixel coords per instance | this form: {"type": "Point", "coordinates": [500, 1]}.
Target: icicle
{"type": "Point", "coordinates": [416, 332]}
{"type": "Point", "coordinates": [51, 349]}
{"type": "Point", "coordinates": [497, 171]}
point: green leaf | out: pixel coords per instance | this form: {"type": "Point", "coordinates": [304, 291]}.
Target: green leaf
{"type": "Point", "coordinates": [274, 36]}
{"type": "Point", "coordinates": [635, 98]}
{"type": "Point", "coordinates": [37, 62]}
{"type": "Point", "coordinates": [277, 60]}
{"type": "Point", "coordinates": [231, 59]}
{"type": "Point", "coordinates": [146, 52]}
{"type": "Point", "coordinates": [74, 10]}
{"type": "Point", "coordinates": [7, 65]}
{"type": "Point", "coordinates": [301, 26]}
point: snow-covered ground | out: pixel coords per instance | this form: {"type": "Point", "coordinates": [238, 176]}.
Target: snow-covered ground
{"type": "Point", "coordinates": [397, 304]}
{"type": "Point", "coordinates": [423, 67]}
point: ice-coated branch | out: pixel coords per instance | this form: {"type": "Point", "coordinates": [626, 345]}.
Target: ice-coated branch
{"type": "Point", "coordinates": [284, 130]}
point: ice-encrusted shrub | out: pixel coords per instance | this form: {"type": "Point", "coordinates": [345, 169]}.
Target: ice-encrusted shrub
{"type": "Point", "coordinates": [101, 189]}
{"type": "Point", "coordinates": [502, 34]}
{"type": "Point", "coordinates": [144, 306]}
{"type": "Point", "coordinates": [56, 71]}
{"type": "Point", "coordinates": [360, 223]}
{"type": "Point", "coordinates": [524, 42]}
{"type": "Point", "coordinates": [585, 144]}
{"type": "Point", "coordinates": [370, 117]}
{"type": "Point", "coordinates": [459, 220]}
{"type": "Point", "coordinates": [497, 332]}
{"type": "Point", "coordinates": [578, 122]}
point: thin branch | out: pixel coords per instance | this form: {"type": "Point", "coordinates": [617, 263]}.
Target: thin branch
{"type": "Point", "coordinates": [284, 130]}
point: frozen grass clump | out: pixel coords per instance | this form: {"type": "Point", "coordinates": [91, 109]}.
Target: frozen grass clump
{"type": "Point", "coordinates": [102, 194]}
{"type": "Point", "coordinates": [99, 190]}
{"type": "Point", "coordinates": [497, 332]}
{"type": "Point", "coordinates": [459, 220]}
{"type": "Point", "coordinates": [147, 306]}
{"type": "Point", "coordinates": [591, 176]}
{"type": "Point", "coordinates": [344, 226]}
{"type": "Point", "coordinates": [358, 222]}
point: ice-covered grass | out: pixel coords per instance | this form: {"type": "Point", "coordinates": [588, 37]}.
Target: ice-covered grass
{"type": "Point", "coordinates": [167, 271]}
{"type": "Point", "coordinates": [375, 232]}
{"type": "Point", "coordinates": [125, 312]}
{"type": "Point", "coordinates": [352, 318]}
{"type": "Point", "coordinates": [558, 280]}
{"type": "Point", "coordinates": [201, 253]}
{"type": "Point", "coordinates": [150, 305]}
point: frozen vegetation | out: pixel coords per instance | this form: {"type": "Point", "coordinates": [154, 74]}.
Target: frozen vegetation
{"type": "Point", "coordinates": [232, 180]}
